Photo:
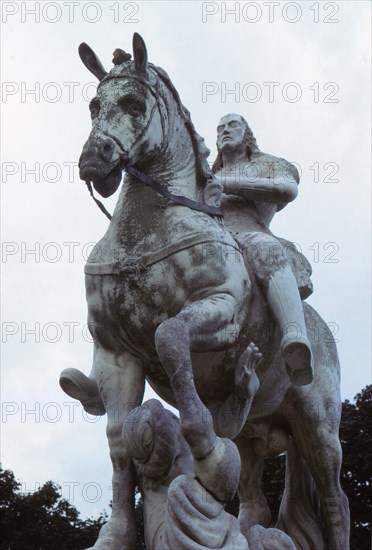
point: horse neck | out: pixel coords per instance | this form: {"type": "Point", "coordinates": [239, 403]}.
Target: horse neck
{"type": "Point", "coordinates": [175, 165]}
{"type": "Point", "coordinates": [145, 210]}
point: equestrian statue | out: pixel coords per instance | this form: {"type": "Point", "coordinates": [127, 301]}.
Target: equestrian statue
{"type": "Point", "coordinates": [190, 290]}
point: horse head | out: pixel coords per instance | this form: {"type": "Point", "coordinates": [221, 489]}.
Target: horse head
{"type": "Point", "coordinates": [127, 125]}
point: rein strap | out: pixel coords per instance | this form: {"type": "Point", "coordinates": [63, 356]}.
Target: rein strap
{"type": "Point", "coordinates": [98, 203]}
{"type": "Point", "coordinates": [176, 199]}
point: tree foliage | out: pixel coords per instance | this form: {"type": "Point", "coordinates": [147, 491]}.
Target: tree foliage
{"type": "Point", "coordinates": [356, 474]}
{"type": "Point", "coordinates": [42, 520]}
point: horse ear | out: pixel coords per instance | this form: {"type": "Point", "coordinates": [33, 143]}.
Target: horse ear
{"type": "Point", "coordinates": [91, 61]}
{"type": "Point", "coordinates": [139, 53]}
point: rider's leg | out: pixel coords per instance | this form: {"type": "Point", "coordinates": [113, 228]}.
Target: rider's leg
{"type": "Point", "coordinates": [268, 259]}
{"type": "Point", "coordinates": [285, 302]}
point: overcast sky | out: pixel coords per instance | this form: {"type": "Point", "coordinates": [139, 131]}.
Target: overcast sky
{"type": "Point", "coordinates": [298, 72]}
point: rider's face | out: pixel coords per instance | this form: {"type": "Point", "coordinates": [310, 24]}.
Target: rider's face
{"type": "Point", "coordinates": [230, 133]}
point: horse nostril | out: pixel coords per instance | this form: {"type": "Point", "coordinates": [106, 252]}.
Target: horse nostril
{"type": "Point", "coordinates": [108, 150]}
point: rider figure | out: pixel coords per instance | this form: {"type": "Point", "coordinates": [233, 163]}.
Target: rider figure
{"type": "Point", "coordinates": [256, 186]}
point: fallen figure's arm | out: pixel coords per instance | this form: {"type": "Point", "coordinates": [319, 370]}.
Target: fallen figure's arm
{"type": "Point", "coordinates": [230, 416]}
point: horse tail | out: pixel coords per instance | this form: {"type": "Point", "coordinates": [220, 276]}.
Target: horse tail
{"type": "Point", "coordinates": [299, 513]}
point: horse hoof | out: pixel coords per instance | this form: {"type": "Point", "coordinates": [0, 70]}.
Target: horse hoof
{"type": "Point", "coordinates": [78, 386]}
{"type": "Point", "coordinates": [298, 362]}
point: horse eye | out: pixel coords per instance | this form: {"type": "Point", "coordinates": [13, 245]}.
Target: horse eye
{"type": "Point", "coordinates": [134, 109]}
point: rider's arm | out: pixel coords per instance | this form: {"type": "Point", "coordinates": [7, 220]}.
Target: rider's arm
{"type": "Point", "coordinates": [261, 189]}
{"type": "Point", "coordinates": [279, 186]}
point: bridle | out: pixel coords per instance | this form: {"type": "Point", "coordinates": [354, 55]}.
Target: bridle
{"type": "Point", "coordinates": [147, 180]}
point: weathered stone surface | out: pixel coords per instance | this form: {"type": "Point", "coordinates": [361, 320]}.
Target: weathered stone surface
{"type": "Point", "coordinates": [186, 510]}
{"type": "Point", "coordinates": [269, 539]}
{"type": "Point", "coordinates": [195, 522]}
{"type": "Point", "coordinates": [173, 298]}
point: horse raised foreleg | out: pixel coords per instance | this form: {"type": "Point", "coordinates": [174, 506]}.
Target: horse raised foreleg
{"type": "Point", "coordinates": [198, 327]}
{"type": "Point", "coordinates": [120, 379]}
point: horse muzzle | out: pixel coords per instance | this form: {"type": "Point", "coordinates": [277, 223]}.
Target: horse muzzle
{"type": "Point", "coordinates": [100, 164]}
{"type": "Point", "coordinates": [104, 185]}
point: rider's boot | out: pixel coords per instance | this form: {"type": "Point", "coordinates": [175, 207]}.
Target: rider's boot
{"type": "Point", "coordinates": [285, 304]}
{"type": "Point", "coordinates": [78, 386]}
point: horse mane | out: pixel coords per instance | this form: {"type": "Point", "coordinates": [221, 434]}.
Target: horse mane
{"type": "Point", "coordinates": [200, 149]}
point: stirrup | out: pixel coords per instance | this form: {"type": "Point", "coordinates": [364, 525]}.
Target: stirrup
{"type": "Point", "coordinates": [298, 360]}
{"type": "Point", "coordinates": [84, 389]}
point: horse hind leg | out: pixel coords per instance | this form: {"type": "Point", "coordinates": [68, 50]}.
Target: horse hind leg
{"type": "Point", "coordinates": [299, 513]}
{"type": "Point", "coordinates": [313, 414]}
{"type": "Point", "coordinates": [316, 457]}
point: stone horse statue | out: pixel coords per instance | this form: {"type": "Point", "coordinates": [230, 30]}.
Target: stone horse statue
{"type": "Point", "coordinates": [172, 301]}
